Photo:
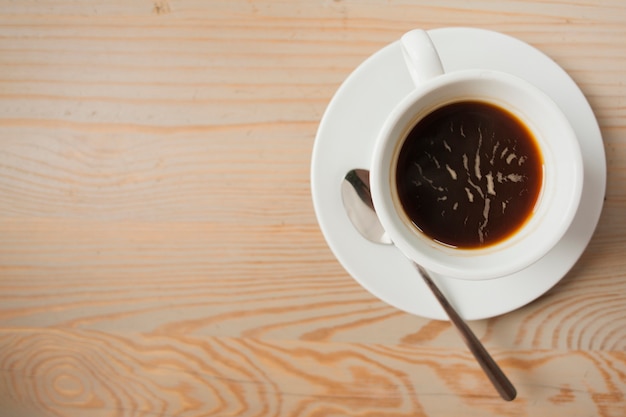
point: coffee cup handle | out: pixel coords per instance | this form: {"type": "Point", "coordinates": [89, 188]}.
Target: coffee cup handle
{"type": "Point", "coordinates": [420, 56]}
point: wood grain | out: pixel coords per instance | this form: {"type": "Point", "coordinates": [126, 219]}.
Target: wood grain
{"type": "Point", "coordinates": [159, 252]}
{"type": "Point", "coordinates": [164, 375]}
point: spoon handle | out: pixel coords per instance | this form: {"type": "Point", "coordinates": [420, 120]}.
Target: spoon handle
{"type": "Point", "coordinates": [499, 380]}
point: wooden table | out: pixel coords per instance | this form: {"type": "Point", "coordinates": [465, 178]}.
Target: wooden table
{"type": "Point", "coordinates": [159, 252]}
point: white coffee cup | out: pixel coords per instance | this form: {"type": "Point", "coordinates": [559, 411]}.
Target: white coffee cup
{"type": "Point", "coordinates": [561, 189]}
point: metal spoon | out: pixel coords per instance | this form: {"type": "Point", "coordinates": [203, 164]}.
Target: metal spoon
{"type": "Point", "coordinates": [357, 200]}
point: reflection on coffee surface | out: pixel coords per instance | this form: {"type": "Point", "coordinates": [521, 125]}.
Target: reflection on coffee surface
{"type": "Point", "coordinates": [469, 174]}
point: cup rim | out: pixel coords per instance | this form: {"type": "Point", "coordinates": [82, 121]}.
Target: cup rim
{"type": "Point", "coordinates": [510, 255]}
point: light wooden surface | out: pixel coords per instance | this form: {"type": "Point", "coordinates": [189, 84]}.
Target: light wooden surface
{"type": "Point", "coordinates": [159, 253]}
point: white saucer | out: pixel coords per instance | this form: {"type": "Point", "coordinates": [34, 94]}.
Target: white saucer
{"type": "Point", "coordinates": [345, 140]}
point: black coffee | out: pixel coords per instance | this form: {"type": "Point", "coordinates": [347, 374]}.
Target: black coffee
{"type": "Point", "coordinates": [469, 174]}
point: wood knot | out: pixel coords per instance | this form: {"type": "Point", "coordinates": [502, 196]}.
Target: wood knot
{"type": "Point", "coordinates": [161, 7]}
